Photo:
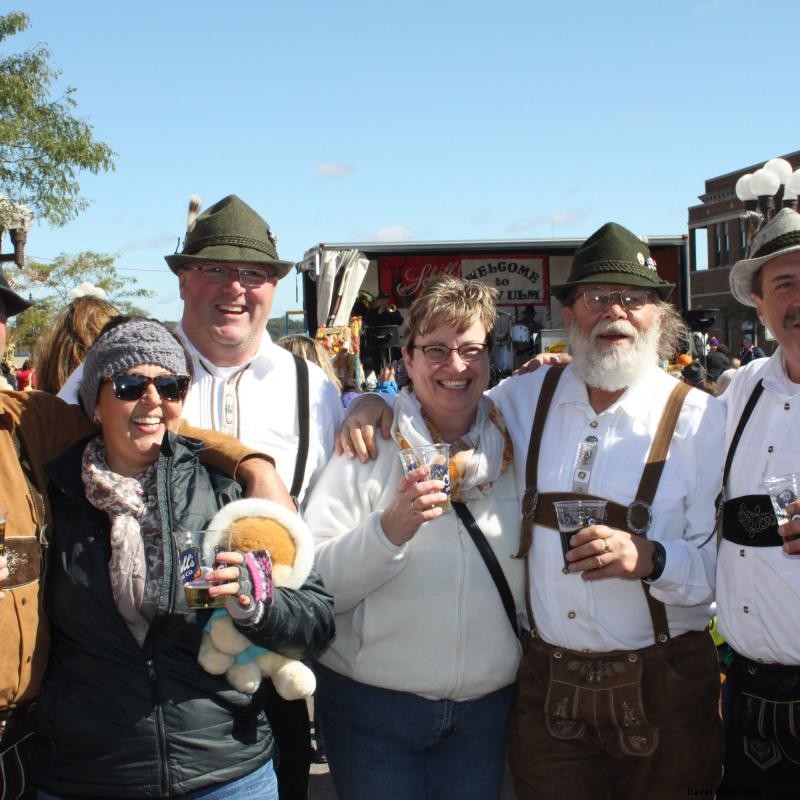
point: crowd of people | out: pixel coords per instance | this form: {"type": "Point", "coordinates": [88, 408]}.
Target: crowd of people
{"type": "Point", "coordinates": [457, 635]}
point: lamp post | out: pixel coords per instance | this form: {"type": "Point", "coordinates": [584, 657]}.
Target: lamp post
{"type": "Point", "coordinates": [759, 190]}
{"type": "Point", "coordinates": [16, 219]}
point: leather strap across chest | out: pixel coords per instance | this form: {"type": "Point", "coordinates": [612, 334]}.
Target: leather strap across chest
{"type": "Point", "coordinates": [636, 518]}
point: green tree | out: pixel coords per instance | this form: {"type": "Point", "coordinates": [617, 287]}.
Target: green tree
{"type": "Point", "coordinates": [43, 147]}
{"type": "Point", "coordinates": [50, 287]}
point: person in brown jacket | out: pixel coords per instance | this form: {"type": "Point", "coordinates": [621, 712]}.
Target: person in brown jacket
{"type": "Point", "coordinates": [35, 427]}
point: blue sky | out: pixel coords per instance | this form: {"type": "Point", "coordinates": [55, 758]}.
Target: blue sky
{"type": "Point", "coordinates": [343, 121]}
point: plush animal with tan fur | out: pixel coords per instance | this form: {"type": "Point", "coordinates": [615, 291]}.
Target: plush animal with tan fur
{"type": "Point", "coordinates": [258, 525]}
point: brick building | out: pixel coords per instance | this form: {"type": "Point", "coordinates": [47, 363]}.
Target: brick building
{"type": "Point", "coordinates": [719, 217]}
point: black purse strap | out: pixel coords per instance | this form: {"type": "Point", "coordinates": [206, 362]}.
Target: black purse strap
{"type": "Point", "coordinates": [302, 418]}
{"type": "Point", "coordinates": [492, 564]}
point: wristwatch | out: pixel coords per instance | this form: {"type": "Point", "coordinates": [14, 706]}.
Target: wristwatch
{"type": "Point", "coordinates": [659, 562]}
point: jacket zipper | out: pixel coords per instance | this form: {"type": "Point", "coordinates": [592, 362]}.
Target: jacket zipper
{"type": "Point", "coordinates": [459, 660]}
{"type": "Point", "coordinates": [162, 733]}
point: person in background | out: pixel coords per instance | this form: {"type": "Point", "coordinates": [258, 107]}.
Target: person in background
{"type": "Point", "coordinates": [62, 345]}
{"type": "Point", "coordinates": [415, 690]}
{"type": "Point", "coordinates": [696, 376]}
{"type": "Point", "coordinates": [311, 350]}
{"type": "Point", "coordinates": [26, 377]}
{"type": "Point", "coordinates": [126, 710]}
{"type": "Point", "coordinates": [758, 571]}
{"type": "Point", "coordinates": [8, 379]}
{"type": "Point", "coordinates": [717, 360]}
{"type": "Point", "coordinates": [749, 351]}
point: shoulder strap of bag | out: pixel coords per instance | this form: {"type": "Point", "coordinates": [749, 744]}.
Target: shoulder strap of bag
{"type": "Point", "coordinates": [492, 564]}
{"type": "Point", "coordinates": [303, 424]}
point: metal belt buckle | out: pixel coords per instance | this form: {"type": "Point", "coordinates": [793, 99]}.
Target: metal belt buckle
{"type": "Point", "coordinates": [639, 530]}
{"type": "Point", "coordinates": [529, 502]}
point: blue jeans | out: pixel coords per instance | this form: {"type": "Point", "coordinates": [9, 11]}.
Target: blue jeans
{"type": "Point", "coordinates": [388, 745]}
{"type": "Point", "coordinates": [258, 785]}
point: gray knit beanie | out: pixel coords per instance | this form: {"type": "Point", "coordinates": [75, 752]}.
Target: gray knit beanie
{"type": "Point", "coordinates": [129, 344]}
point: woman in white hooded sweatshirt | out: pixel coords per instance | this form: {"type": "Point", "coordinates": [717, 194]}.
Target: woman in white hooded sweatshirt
{"type": "Point", "coordinates": [415, 691]}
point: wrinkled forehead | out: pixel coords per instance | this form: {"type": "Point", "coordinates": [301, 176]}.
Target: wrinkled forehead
{"type": "Point", "coordinates": [785, 265]}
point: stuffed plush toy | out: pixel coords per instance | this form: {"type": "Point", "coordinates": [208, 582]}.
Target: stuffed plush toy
{"type": "Point", "coordinates": [258, 525]}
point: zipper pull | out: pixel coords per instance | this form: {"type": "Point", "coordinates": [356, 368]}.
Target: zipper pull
{"type": "Point", "coordinates": [151, 669]}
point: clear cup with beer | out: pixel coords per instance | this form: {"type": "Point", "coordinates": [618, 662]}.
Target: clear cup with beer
{"type": "Point", "coordinates": [194, 566]}
{"type": "Point", "coordinates": [435, 456]}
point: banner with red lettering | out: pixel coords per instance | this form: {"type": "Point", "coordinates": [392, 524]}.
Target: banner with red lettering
{"type": "Point", "coordinates": [521, 280]}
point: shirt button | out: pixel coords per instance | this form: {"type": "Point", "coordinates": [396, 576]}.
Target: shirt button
{"type": "Point", "coordinates": [741, 552]}
{"type": "Point", "coordinates": [594, 423]}
{"type": "Point", "coordinates": [572, 615]}
{"type": "Point", "coordinates": [786, 406]}
{"type": "Point", "coordinates": [770, 449]}
{"type": "Point", "coordinates": [23, 601]}
{"type": "Point", "coordinates": [746, 609]}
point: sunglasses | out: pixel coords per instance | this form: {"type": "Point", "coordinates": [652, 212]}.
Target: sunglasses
{"type": "Point", "coordinates": [132, 387]}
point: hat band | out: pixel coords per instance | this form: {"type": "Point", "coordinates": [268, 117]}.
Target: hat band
{"type": "Point", "coordinates": [236, 241]}
{"type": "Point", "coordinates": [782, 242]}
{"type": "Point", "coordinates": [599, 267]}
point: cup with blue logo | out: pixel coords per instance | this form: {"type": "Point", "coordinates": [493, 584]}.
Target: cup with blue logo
{"type": "Point", "coordinates": [435, 456]}
{"type": "Point", "coordinates": [193, 569]}
{"type": "Point", "coordinates": [782, 490]}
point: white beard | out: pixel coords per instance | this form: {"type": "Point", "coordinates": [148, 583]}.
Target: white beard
{"type": "Point", "coordinates": [618, 366]}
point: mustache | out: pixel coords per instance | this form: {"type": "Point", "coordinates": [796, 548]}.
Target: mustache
{"type": "Point", "coordinates": [619, 326]}
{"type": "Point", "coordinates": [792, 318]}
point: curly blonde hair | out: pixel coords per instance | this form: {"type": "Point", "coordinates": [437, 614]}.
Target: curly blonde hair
{"type": "Point", "coordinates": [311, 350]}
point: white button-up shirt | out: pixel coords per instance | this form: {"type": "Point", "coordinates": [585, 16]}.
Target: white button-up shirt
{"type": "Point", "coordinates": [758, 588]}
{"type": "Point", "coordinates": [612, 614]}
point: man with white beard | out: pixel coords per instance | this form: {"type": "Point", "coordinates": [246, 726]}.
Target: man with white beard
{"type": "Point", "coordinates": [618, 691]}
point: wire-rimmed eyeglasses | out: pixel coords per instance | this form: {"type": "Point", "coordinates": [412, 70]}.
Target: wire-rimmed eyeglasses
{"type": "Point", "coordinates": [629, 299]}
{"type": "Point", "coordinates": [438, 353]}
{"type": "Point", "coordinates": [218, 273]}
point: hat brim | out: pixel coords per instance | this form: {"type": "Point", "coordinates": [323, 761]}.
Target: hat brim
{"type": "Point", "coordinates": [13, 302]}
{"type": "Point", "coordinates": [178, 260]}
{"type": "Point", "coordinates": [743, 272]}
{"type": "Point", "coordinates": [663, 290]}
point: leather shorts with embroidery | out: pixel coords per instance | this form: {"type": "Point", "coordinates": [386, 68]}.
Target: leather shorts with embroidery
{"type": "Point", "coordinates": [765, 710]}
{"type": "Point", "coordinates": [605, 687]}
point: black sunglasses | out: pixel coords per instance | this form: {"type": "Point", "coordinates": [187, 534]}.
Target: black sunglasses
{"type": "Point", "coordinates": [132, 387]}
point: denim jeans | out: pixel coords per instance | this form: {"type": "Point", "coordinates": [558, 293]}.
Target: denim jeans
{"type": "Point", "coordinates": [388, 745]}
{"type": "Point", "coordinates": [258, 785]}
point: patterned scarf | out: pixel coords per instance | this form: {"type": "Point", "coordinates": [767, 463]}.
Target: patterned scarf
{"type": "Point", "coordinates": [136, 565]}
{"type": "Point", "coordinates": [477, 459]}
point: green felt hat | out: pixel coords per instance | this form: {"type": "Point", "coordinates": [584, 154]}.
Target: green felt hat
{"type": "Point", "coordinates": [228, 231]}
{"type": "Point", "coordinates": [613, 254]}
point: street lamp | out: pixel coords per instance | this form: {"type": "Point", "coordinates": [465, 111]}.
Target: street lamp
{"type": "Point", "coordinates": [16, 219]}
{"type": "Point", "coordinates": [759, 190]}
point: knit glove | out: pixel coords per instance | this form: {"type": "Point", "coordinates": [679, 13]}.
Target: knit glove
{"type": "Point", "coordinates": [255, 581]}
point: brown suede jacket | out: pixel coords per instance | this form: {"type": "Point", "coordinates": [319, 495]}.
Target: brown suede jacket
{"type": "Point", "coordinates": [45, 426]}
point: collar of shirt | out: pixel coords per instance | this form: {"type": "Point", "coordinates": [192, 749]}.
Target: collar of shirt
{"type": "Point", "coordinates": [775, 376]}
{"type": "Point", "coordinates": [263, 359]}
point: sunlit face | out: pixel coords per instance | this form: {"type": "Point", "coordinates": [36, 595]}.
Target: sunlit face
{"type": "Point", "coordinates": [133, 430]}
{"type": "Point", "coordinates": [612, 346]}
{"type": "Point", "coordinates": [225, 322]}
{"type": "Point", "coordinates": [449, 392]}
{"type": "Point", "coordinates": [779, 306]}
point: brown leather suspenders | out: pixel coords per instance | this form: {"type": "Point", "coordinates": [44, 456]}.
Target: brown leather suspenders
{"type": "Point", "coordinates": [636, 518]}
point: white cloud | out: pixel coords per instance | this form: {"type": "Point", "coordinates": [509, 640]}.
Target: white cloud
{"type": "Point", "coordinates": [333, 169]}
{"type": "Point", "coordinates": [162, 242]}
{"type": "Point", "coordinates": [558, 219]}
{"type": "Point", "coordinates": [392, 233]}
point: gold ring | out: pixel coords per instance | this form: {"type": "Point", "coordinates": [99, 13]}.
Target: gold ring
{"type": "Point", "coordinates": [606, 545]}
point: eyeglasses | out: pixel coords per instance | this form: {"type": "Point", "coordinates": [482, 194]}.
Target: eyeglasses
{"type": "Point", "coordinates": [438, 353]}
{"type": "Point", "coordinates": [629, 299]}
{"type": "Point", "coordinates": [247, 276]}
{"type": "Point", "coordinates": [132, 387]}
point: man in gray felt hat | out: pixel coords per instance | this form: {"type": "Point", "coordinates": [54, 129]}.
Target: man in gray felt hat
{"type": "Point", "coordinates": [618, 693]}
{"type": "Point", "coordinates": [758, 573]}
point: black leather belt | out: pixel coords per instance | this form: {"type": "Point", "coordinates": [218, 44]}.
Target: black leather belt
{"type": "Point", "coordinates": [750, 520]}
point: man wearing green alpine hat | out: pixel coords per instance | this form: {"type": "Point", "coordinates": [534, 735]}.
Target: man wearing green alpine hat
{"type": "Point", "coordinates": [245, 385]}
{"type": "Point", "coordinates": [617, 696]}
